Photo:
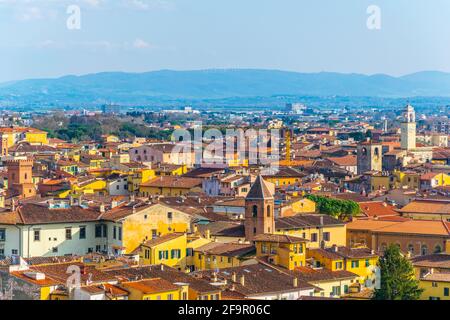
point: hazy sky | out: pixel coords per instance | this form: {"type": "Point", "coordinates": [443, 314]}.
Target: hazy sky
{"type": "Point", "coordinates": [297, 35]}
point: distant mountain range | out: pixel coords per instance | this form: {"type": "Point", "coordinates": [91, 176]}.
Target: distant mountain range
{"type": "Point", "coordinates": [166, 85]}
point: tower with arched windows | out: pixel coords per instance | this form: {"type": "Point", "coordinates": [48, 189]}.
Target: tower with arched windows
{"type": "Point", "coordinates": [369, 157]}
{"type": "Point", "coordinates": [259, 210]}
{"type": "Point", "coordinates": [408, 128]}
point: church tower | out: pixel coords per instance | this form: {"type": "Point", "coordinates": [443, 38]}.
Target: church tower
{"type": "Point", "coordinates": [4, 145]}
{"type": "Point", "coordinates": [369, 157]}
{"type": "Point", "coordinates": [259, 210]}
{"type": "Point", "coordinates": [408, 128]}
{"type": "Point", "coordinates": [20, 178]}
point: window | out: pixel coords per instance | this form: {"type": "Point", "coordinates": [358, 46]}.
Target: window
{"type": "Point", "coordinates": [163, 254]}
{"type": "Point", "coordinates": [147, 254]}
{"type": "Point", "coordinates": [120, 233]}
{"type": "Point", "coordinates": [355, 264]}
{"type": "Point", "coordinates": [264, 248]}
{"type": "Point", "coordinates": [169, 215]}
{"type": "Point", "coordinates": [37, 235]}
{"type": "Point", "coordinates": [98, 248]}
{"type": "Point", "coordinates": [114, 232]}
{"type": "Point", "coordinates": [411, 248]}
{"type": "Point", "coordinates": [175, 254]}
{"type": "Point", "coordinates": [255, 211]}
{"type": "Point", "coordinates": [82, 232]}
{"type": "Point", "coordinates": [14, 252]}
{"type": "Point", "coordinates": [68, 233]}
{"type": "Point", "coordinates": [170, 296]}
{"type": "Point", "coordinates": [338, 265]}
{"type": "Point", "coordinates": [98, 230]}
{"type": "Point", "coordinates": [189, 252]}
{"type": "Point", "coordinates": [437, 249]}
{"type": "Point", "coordinates": [424, 249]}
{"type": "Point", "coordinates": [2, 235]}
{"type": "Point", "coordinates": [55, 249]}
{"type": "Point", "coordinates": [336, 291]}
{"type": "Point", "coordinates": [326, 236]}
{"type": "Point", "coordinates": [313, 237]}
{"type": "Point", "coordinates": [268, 211]}
{"type": "Point", "coordinates": [2, 253]}
{"type": "Point", "coordinates": [446, 292]}
{"type": "Point", "coordinates": [434, 284]}
{"type": "Point", "coordinates": [367, 263]}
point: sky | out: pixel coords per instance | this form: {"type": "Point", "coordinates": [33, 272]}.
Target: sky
{"type": "Point", "coordinates": [294, 35]}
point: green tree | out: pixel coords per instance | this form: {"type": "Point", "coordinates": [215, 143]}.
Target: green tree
{"type": "Point", "coordinates": [397, 277]}
{"type": "Point", "coordinates": [342, 209]}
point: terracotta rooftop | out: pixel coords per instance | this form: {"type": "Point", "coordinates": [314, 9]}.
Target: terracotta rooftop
{"type": "Point", "coordinates": [441, 260]}
{"type": "Point", "coordinates": [151, 286]}
{"type": "Point", "coordinates": [306, 221]}
{"type": "Point", "coordinates": [279, 238]}
{"type": "Point", "coordinates": [427, 206]}
{"type": "Point", "coordinates": [377, 209]}
{"type": "Point", "coordinates": [309, 274]}
{"type": "Point", "coordinates": [346, 161]}
{"type": "Point", "coordinates": [259, 190]}
{"type": "Point", "coordinates": [173, 182]}
{"type": "Point", "coordinates": [423, 227]}
{"type": "Point", "coordinates": [227, 249]}
{"type": "Point", "coordinates": [162, 239]}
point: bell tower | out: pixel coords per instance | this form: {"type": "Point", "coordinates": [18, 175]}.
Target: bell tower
{"type": "Point", "coordinates": [408, 128]}
{"type": "Point", "coordinates": [369, 157]}
{"type": "Point", "coordinates": [259, 210]}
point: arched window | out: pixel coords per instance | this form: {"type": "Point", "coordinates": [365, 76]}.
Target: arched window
{"type": "Point", "coordinates": [364, 151]}
{"type": "Point", "coordinates": [411, 248]}
{"type": "Point", "coordinates": [437, 249]}
{"type": "Point", "coordinates": [255, 211]}
{"type": "Point", "coordinates": [424, 249]}
{"type": "Point", "coordinates": [376, 152]}
{"type": "Point", "coordinates": [268, 211]}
